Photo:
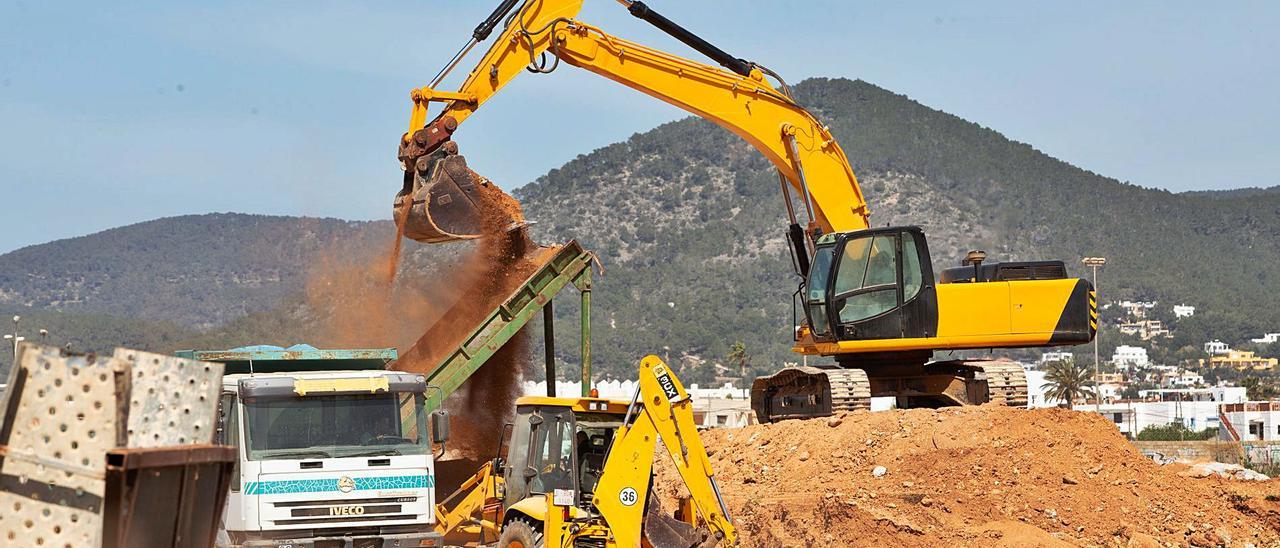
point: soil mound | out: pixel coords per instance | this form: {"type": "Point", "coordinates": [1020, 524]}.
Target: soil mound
{"type": "Point", "coordinates": [970, 476]}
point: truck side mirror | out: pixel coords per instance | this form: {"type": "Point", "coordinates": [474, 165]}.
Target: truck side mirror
{"type": "Point", "coordinates": [439, 426]}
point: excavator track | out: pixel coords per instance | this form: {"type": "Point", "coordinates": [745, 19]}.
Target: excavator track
{"type": "Point", "coordinates": [808, 392]}
{"type": "Point", "coordinates": [805, 392]}
{"type": "Point", "coordinates": [1006, 381]}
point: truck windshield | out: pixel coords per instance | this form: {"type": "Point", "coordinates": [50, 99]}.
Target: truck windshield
{"type": "Point", "coordinates": [317, 427]}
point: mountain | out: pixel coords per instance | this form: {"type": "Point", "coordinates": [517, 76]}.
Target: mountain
{"type": "Point", "coordinates": [1247, 192]}
{"type": "Point", "coordinates": [198, 271]}
{"type": "Point", "coordinates": [688, 223]}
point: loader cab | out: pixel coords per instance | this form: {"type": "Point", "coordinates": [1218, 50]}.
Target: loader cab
{"type": "Point", "coordinates": [871, 284]}
{"type": "Point", "coordinates": [557, 444]}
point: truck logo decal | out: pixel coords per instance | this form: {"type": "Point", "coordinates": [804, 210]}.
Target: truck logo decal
{"type": "Point", "coordinates": [346, 484]}
{"type": "Point", "coordinates": [282, 487]}
{"type": "Point", "coordinates": [346, 510]}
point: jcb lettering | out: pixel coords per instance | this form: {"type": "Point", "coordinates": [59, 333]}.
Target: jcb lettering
{"type": "Point", "coordinates": [346, 510]}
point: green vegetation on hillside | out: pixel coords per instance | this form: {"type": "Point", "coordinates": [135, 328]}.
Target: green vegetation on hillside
{"type": "Point", "coordinates": [688, 222]}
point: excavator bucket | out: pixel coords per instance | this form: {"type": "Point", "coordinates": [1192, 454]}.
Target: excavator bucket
{"type": "Point", "coordinates": [444, 201]}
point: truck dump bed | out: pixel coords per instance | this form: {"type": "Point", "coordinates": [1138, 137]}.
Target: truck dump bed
{"type": "Point", "coordinates": [449, 360]}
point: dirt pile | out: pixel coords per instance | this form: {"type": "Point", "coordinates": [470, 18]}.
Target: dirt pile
{"type": "Point", "coordinates": [970, 476]}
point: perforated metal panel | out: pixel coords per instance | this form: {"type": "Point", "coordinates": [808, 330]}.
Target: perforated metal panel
{"type": "Point", "coordinates": [172, 401]}
{"type": "Point", "coordinates": [61, 414]}
{"type": "Point", "coordinates": [60, 420]}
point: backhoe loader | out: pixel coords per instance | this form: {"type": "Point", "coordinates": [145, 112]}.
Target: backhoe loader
{"type": "Point", "coordinates": [869, 296]}
{"type": "Point", "coordinates": [578, 472]}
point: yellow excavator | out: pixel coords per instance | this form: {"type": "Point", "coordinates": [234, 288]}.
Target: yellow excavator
{"type": "Point", "coordinates": [870, 296]}
{"type": "Point", "coordinates": [579, 472]}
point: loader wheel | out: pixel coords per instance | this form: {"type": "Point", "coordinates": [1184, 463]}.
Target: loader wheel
{"type": "Point", "coordinates": [520, 534]}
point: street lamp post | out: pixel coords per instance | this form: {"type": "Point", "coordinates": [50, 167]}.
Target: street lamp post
{"type": "Point", "coordinates": [1096, 262]}
{"type": "Point", "coordinates": [15, 338]}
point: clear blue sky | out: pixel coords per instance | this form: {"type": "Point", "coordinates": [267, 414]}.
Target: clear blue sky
{"type": "Point", "coordinates": [112, 114]}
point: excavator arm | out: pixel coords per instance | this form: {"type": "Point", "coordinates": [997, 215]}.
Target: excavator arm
{"type": "Point", "coordinates": [740, 100]}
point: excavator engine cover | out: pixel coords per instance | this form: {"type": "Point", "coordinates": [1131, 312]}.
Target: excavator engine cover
{"type": "Point", "coordinates": [447, 201]}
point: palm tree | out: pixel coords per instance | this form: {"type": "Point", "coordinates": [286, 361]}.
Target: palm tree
{"type": "Point", "coordinates": [1066, 381]}
{"type": "Point", "coordinates": [738, 353]}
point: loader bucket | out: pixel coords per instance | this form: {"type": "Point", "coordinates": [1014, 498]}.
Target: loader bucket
{"type": "Point", "coordinates": [663, 530]}
{"type": "Point", "coordinates": [444, 201]}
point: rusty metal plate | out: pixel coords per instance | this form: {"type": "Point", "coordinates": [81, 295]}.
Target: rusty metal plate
{"type": "Point", "coordinates": [172, 401]}
{"type": "Point", "coordinates": [60, 419]}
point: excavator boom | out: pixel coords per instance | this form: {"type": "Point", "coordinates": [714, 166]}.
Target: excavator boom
{"type": "Point", "coordinates": [803, 150]}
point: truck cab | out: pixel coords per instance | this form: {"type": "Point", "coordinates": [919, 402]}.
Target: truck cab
{"type": "Point", "coordinates": [333, 449]}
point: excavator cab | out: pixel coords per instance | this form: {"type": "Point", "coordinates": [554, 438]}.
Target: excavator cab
{"type": "Point", "coordinates": [871, 284]}
{"type": "Point", "coordinates": [872, 303]}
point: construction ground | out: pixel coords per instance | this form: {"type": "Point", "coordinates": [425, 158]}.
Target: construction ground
{"type": "Point", "coordinates": [988, 475]}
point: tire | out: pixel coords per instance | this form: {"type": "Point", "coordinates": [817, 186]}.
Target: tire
{"type": "Point", "coordinates": [520, 534]}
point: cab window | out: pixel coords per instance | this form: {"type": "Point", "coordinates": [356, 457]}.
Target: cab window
{"type": "Point", "coordinates": [867, 279]}
{"type": "Point", "coordinates": [816, 290]}
{"type": "Point", "coordinates": [552, 463]}
{"type": "Point", "coordinates": [912, 272]}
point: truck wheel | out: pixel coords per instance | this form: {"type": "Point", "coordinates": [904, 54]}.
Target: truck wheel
{"type": "Point", "coordinates": [520, 534]}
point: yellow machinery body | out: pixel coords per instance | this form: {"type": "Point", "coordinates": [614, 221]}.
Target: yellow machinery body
{"type": "Point", "coordinates": [581, 470]}
{"type": "Point", "coordinates": [885, 319]}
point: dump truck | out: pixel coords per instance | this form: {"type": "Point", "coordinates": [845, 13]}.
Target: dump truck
{"type": "Point", "coordinates": [333, 449]}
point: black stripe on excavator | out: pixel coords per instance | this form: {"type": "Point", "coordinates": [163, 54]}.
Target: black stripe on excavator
{"type": "Point", "coordinates": [1075, 325]}
{"type": "Point", "coordinates": [739, 66]}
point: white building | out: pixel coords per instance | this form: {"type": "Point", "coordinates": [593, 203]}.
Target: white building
{"type": "Point", "coordinates": [1050, 357]}
{"type": "Point", "coordinates": [1251, 421]}
{"type": "Point", "coordinates": [1181, 379]}
{"type": "Point", "coordinates": [1132, 417]}
{"type": "Point", "coordinates": [1137, 309]}
{"type": "Point", "coordinates": [1269, 338]}
{"type": "Point", "coordinates": [1183, 311]}
{"type": "Point", "coordinates": [1215, 347]}
{"type": "Point", "coordinates": [1126, 357]}
{"type": "Point", "coordinates": [1217, 394]}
